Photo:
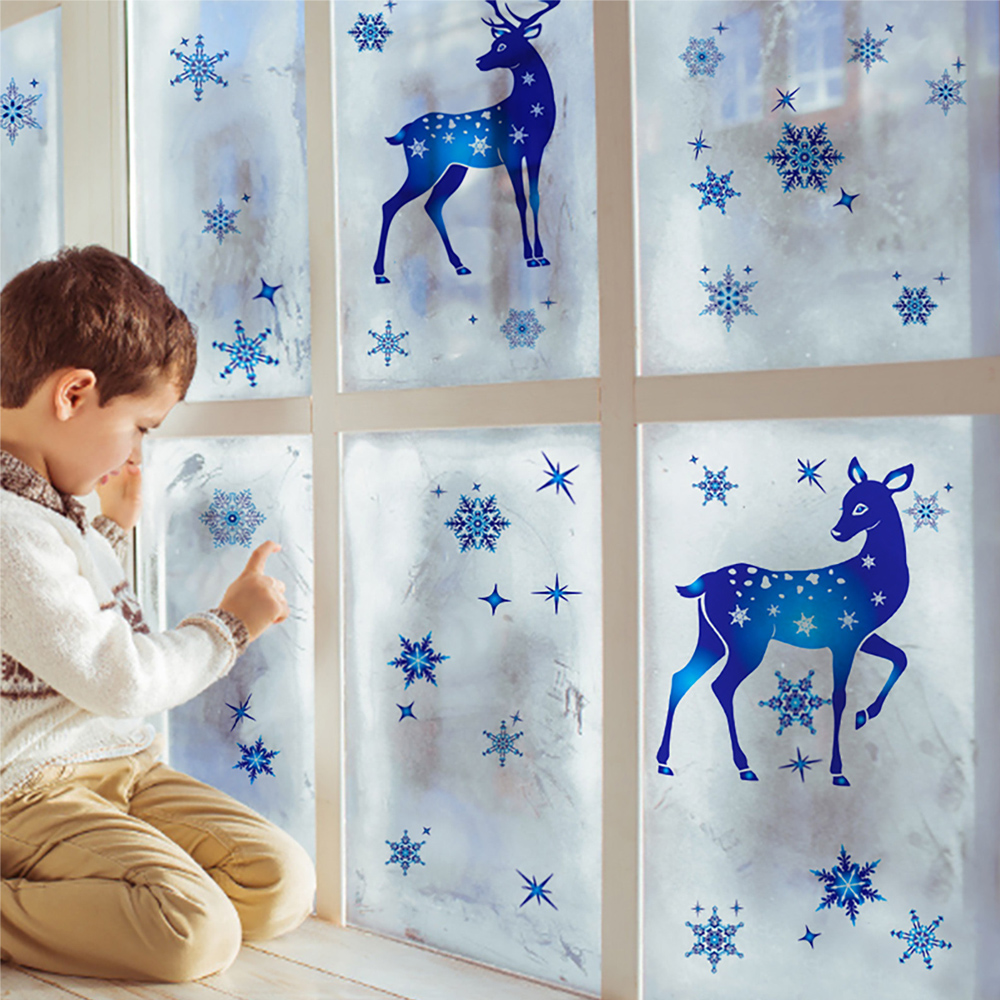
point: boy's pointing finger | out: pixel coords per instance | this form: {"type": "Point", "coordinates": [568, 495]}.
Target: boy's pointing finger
{"type": "Point", "coordinates": [255, 564]}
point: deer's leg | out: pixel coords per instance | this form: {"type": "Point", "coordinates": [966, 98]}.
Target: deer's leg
{"type": "Point", "coordinates": [533, 169]}
{"type": "Point", "coordinates": [744, 659]}
{"type": "Point", "coordinates": [434, 207]}
{"type": "Point", "coordinates": [843, 660]}
{"type": "Point", "coordinates": [517, 183]}
{"type": "Point", "coordinates": [709, 650]}
{"type": "Point", "coordinates": [412, 188]}
{"type": "Point", "coordinates": [878, 646]}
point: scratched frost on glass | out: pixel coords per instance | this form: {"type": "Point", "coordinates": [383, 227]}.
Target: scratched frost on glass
{"type": "Point", "coordinates": [472, 589]}
{"type": "Point", "coordinates": [810, 666]}
{"type": "Point", "coordinates": [219, 172]}
{"type": "Point", "coordinates": [816, 183]}
{"type": "Point", "coordinates": [251, 733]}
{"type": "Point", "coordinates": [466, 182]}
{"type": "Point", "coordinates": [31, 142]}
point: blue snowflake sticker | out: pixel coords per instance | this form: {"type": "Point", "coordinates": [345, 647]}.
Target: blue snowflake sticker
{"type": "Point", "coordinates": [925, 511]}
{"type": "Point", "coordinates": [477, 523]}
{"type": "Point", "coordinates": [198, 67]}
{"type": "Point", "coordinates": [232, 518]}
{"type": "Point", "coordinates": [796, 701]}
{"type": "Point", "coordinates": [521, 328]}
{"type": "Point", "coordinates": [388, 343]}
{"type": "Point", "coordinates": [804, 157]}
{"type": "Point", "coordinates": [867, 51]}
{"type": "Point", "coordinates": [945, 93]}
{"type": "Point", "coordinates": [914, 305]}
{"type": "Point", "coordinates": [848, 885]}
{"type": "Point", "coordinates": [728, 298]}
{"type": "Point", "coordinates": [714, 939]}
{"type": "Point", "coordinates": [418, 660]}
{"type": "Point", "coordinates": [370, 32]}
{"type": "Point", "coordinates": [256, 759]}
{"type": "Point", "coordinates": [245, 354]}
{"type": "Point", "coordinates": [405, 852]}
{"type": "Point", "coordinates": [701, 57]}
{"type": "Point", "coordinates": [220, 221]}
{"type": "Point", "coordinates": [503, 743]}
{"type": "Point", "coordinates": [715, 485]}
{"type": "Point", "coordinates": [920, 939]}
{"type": "Point", "coordinates": [716, 190]}
{"type": "Point", "coordinates": [15, 108]}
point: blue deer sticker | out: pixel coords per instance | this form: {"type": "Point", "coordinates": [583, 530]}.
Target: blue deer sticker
{"type": "Point", "coordinates": [440, 147]}
{"type": "Point", "coordinates": [742, 607]}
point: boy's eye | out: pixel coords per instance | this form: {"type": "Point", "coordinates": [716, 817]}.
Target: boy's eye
{"type": "Point", "coordinates": [143, 430]}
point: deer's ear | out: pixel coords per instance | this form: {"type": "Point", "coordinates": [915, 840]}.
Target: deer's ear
{"type": "Point", "coordinates": [533, 32]}
{"type": "Point", "coordinates": [906, 472]}
{"type": "Point", "coordinates": [855, 472]}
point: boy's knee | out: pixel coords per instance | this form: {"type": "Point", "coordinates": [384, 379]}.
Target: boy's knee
{"type": "Point", "coordinates": [284, 878]}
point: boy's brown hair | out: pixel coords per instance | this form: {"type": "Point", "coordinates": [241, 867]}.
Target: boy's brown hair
{"type": "Point", "coordinates": [91, 308]}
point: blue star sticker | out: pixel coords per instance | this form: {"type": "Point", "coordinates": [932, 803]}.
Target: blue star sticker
{"type": "Point", "coordinates": [427, 832]}
{"type": "Point", "coordinates": [406, 712]}
{"type": "Point", "coordinates": [942, 278]}
{"type": "Point", "coordinates": [958, 64]}
{"type": "Point", "coordinates": [33, 82]}
{"type": "Point", "coordinates": [845, 200]}
{"type": "Point", "coordinates": [809, 472]}
{"type": "Point", "coordinates": [948, 487]}
{"type": "Point", "coordinates": [548, 303]}
{"type": "Point", "coordinates": [801, 764]}
{"type": "Point", "coordinates": [693, 459]}
{"type": "Point", "coordinates": [736, 907]}
{"type": "Point", "coordinates": [897, 275]}
{"type": "Point", "coordinates": [785, 100]}
{"type": "Point", "coordinates": [810, 937]}
{"type": "Point", "coordinates": [556, 593]}
{"type": "Point", "coordinates": [246, 197]}
{"type": "Point", "coordinates": [437, 492]}
{"type": "Point", "coordinates": [535, 890]}
{"type": "Point", "coordinates": [515, 718]}
{"type": "Point", "coordinates": [699, 144]}
{"type": "Point", "coordinates": [267, 291]}
{"type": "Point", "coordinates": [240, 712]}
{"type": "Point", "coordinates": [557, 478]}
{"type": "Point", "coordinates": [720, 28]}
{"type": "Point", "coordinates": [697, 907]}
{"type": "Point", "coordinates": [473, 319]}
{"type": "Point", "coordinates": [495, 600]}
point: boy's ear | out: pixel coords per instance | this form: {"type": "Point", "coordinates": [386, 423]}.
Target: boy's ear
{"type": "Point", "coordinates": [72, 388]}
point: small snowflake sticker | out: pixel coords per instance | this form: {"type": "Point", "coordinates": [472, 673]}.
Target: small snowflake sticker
{"type": "Point", "coordinates": [256, 759]}
{"type": "Point", "coordinates": [945, 92]}
{"type": "Point", "coordinates": [477, 523]}
{"type": "Point", "coordinates": [15, 108]}
{"type": "Point", "coordinates": [728, 298]}
{"type": "Point", "coordinates": [714, 939]}
{"type": "Point", "coordinates": [388, 343]}
{"type": "Point", "coordinates": [198, 68]}
{"type": "Point", "coordinates": [503, 743]}
{"type": "Point", "coordinates": [370, 32]}
{"type": "Point", "coordinates": [914, 305]}
{"type": "Point", "coordinates": [418, 660]}
{"type": "Point", "coordinates": [715, 485]}
{"type": "Point", "coordinates": [245, 354]}
{"type": "Point", "coordinates": [221, 222]}
{"type": "Point", "coordinates": [847, 885]}
{"type": "Point", "coordinates": [521, 328]}
{"type": "Point", "coordinates": [796, 701]}
{"type": "Point", "coordinates": [701, 57]}
{"type": "Point", "coordinates": [405, 852]}
{"type": "Point", "coordinates": [804, 157]}
{"type": "Point", "coordinates": [920, 940]}
{"type": "Point", "coordinates": [925, 511]}
{"type": "Point", "coordinates": [716, 190]}
{"type": "Point", "coordinates": [867, 51]}
{"type": "Point", "coordinates": [232, 518]}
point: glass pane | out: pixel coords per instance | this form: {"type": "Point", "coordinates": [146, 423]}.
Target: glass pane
{"type": "Point", "coordinates": [472, 590]}
{"type": "Point", "coordinates": [214, 500]}
{"type": "Point", "coordinates": [31, 162]}
{"type": "Point", "coordinates": [799, 203]}
{"type": "Point", "coordinates": [850, 544]}
{"type": "Point", "coordinates": [423, 95]}
{"type": "Point", "coordinates": [218, 130]}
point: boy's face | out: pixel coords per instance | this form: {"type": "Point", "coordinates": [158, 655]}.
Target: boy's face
{"type": "Point", "coordinates": [94, 440]}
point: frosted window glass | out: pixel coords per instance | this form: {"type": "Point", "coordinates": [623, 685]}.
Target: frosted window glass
{"type": "Point", "coordinates": [473, 700]}
{"type": "Point", "coordinates": [31, 186]}
{"type": "Point", "coordinates": [212, 501]}
{"type": "Point", "coordinates": [219, 171]}
{"type": "Point", "coordinates": [769, 242]}
{"type": "Point", "coordinates": [422, 94]}
{"type": "Point", "coordinates": [747, 515]}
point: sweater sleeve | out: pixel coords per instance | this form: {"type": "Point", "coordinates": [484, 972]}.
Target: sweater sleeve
{"type": "Point", "coordinates": [53, 624]}
{"type": "Point", "coordinates": [113, 532]}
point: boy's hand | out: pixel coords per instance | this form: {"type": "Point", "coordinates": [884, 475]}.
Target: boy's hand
{"type": "Point", "coordinates": [256, 599]}
{"type": "Point", "coordinates": [121, 495]}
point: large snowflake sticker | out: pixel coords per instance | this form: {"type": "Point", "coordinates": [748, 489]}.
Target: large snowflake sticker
{"type": "Point", "coordinates": [701, 57]}
{"type": "Point", "coordinates": [245, 354]}
{"type": "Point", "coordinates": [256, 759]}
{"type": "Point", "coordinates": [715, 485]}
{"type": "Point", "coordinates": [945, 92]}
{"type": "Point", "coordinates": [795, 701]}
{"type": "Point", "coordinates": [728, 297]}
{"type": "Point", "coordinates": [716, 190]}
{"type": "Point", "coordinates": [198, 67]}
{"type": "Point", "coordinates": [477, 523]}
{"type": "Point", "coordinates": [925, 511]}
{"type": "Point", "coordinates": [418, 660]}
{"type": "Point", "coordinates": [848, 885]}
{"type": "Point", "coordinates": [714, 939]}
{"type": "Point", "coordinates": [232, 518]}
{"type": "Point", "coordinates": [370, 32]}
{"type": "Point", "coordinates": [521, 328]}
{"type": "Point", "coordinates": [16, 110]}
{"type": "Point", "coordinates": [405, 852]}
{"type": "Point", "coordinates": [867, 51]}
{"type": "Point", "coordinates": [503, 743]}
{"type": "Point", "coordinates": [804, 157]}
{"type": "Point", "coordinates": [388, 343]}
{"type": "Point", "coordinates": [221, 222]}
{"type": "Point", "coordinates": [920, 939]}
{"type": "Point", "coordinates": [914, 305]}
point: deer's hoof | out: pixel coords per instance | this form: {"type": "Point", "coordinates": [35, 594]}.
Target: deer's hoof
{"type": "Point", "coordinates": [663, 769]}
{"type": "Point", "coordinates": [543, 262]}
{"type": "Point", "coordinates": [747, 775]}
{"type": "Point", "coordinates": [860, 719]}
{"type": "Point", "coordinates": [533, 263]}
{"type": "Point", "coordinates": [840, 781]}
{"type": "Point", "coordinates": [381, 279]}
{"type": "Point", "coordinates": [462, 270]}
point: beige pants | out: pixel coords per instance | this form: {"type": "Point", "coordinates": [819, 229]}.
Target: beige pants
{"type": "Point", "coordinates": [127, 869]}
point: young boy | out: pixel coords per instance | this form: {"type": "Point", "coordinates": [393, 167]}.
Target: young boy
{"type": "Point", "coordinates": [113, 865]}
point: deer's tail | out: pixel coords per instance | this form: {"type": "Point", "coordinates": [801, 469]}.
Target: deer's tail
{"type": "Point", "coordinates": [395, 140]}
{"type": "Point", "coordinates": [695, 589]}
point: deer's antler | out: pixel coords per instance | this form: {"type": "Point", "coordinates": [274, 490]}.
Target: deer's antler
{"type": "Point", "coordinates": [504, 23]}
{"type": "Point", "coordinates": [522, 22]}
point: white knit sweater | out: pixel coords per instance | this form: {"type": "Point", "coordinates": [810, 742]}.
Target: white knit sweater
{"type": "Point", "coordinates": [80, 666]}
